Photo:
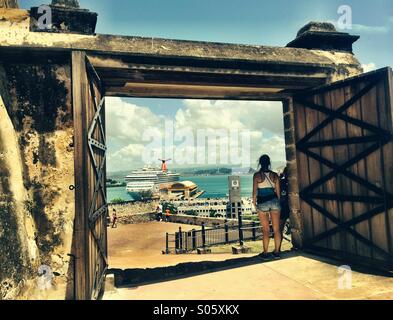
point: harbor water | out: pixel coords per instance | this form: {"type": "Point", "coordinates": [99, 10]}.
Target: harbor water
{"type": "Point", "coordinates": [215, 186]}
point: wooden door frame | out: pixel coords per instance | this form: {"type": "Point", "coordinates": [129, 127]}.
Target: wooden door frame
{"type": "Point", "coordinates": [79, 89]}
{"type": "Point", "coordinates": [81, 228]}
{"type": "Point", "coordinates": [380, 138]}
{"type": "Point", "coordinates": [84, 212]}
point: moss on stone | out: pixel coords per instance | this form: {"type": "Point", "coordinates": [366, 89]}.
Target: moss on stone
{"type": "Point", "coordinates": [39, 94]}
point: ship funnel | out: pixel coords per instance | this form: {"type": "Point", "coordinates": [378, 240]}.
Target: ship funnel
{"type": "Point", "coordinates": [164, 166]}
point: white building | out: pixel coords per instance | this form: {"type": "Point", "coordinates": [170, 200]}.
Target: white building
{"type": "Point", "coordinates": [204, 207]}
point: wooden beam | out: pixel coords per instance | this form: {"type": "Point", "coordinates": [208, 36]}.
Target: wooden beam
{"type": "Point", "coordinates": [115, 78]}
{"type": "Point", "coordinates": [196, 92]}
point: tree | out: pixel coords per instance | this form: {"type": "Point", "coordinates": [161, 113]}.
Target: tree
{"type": "Point", "coordinates": [191, 213]}
{"type": "Point", "coordinates": [212, 213]}
{"type": "Point", "coordinates": [145, 195]}
{"type": "Point", "coordinates": [117, 201]}
{"type": "Point", "coordinates": [170, 206]}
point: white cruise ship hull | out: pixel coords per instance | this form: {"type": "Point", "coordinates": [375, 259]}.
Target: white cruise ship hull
{"type": "Point", "coordinates": [142, 183]}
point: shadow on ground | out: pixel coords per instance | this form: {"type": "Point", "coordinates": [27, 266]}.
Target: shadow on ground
{"type": "Point", "coordinates": [138, 276]}
{"type": "Point", "coordinates": [129, 278]}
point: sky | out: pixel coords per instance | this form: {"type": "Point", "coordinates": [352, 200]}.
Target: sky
{"type": "Point", "coordinates": [205, 133]}
{"type": "Point", "coordinates": [273, 23]}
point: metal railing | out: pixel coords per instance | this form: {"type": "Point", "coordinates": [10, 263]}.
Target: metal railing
{"type": "Point", "coordinates": [188, 241]}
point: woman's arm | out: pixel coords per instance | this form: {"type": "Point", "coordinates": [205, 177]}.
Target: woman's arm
{"type": "Point", "coordinates": [254, 190]}
{"type": "Point", "coordinates": [277, 186]}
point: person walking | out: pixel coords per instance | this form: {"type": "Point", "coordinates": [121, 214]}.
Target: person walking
{"type": "Point", "coordinates": [266, 198]}
{"type": "Point", "coordinates": [114, 220]}
{"type": "Point", "coordinates": [159, 212]}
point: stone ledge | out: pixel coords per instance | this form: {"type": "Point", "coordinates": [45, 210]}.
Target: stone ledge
{"type": "Point", "coordinates": [241, 250]}
{"type": "Point", "coordinates": [66, 20]}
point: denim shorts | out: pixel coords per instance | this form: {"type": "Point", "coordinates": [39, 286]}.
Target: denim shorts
{"type": "Point", "coordinates": [272, 205]}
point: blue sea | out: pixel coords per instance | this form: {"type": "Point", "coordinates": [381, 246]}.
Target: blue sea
{"type": "Point", "coordinates": [214, 187]}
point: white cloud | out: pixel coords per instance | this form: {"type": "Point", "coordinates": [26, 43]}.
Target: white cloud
{"type": "Point", "coordinates": [274, 147]}
{"type": "Point", "coordinates": [127, 123]}
{"type": "Point", "coordinates": [251, 115]}
{"type": "Point", "coordinates": [366, 29]}
{"type": "Point", "coordinates": [367, 67]}
{"type": "Point", "coordinates": [125, 158]}
{"type": "Point", "coordinates": [371, 29]}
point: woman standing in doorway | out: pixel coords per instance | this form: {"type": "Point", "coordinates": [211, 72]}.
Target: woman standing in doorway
{"type": "Point", "coordinates": [266, 197]}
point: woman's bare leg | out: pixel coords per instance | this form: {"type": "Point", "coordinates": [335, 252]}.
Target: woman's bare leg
{"type": "Point", "coordinates": [276, 229]}
{"type": "Point", "coordinates": [264, 219]}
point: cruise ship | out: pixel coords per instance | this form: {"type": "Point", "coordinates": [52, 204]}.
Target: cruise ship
{"type": "Point", "coordinates": [144, 182]}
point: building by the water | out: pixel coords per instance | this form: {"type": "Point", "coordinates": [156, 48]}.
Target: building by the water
{"type": "Point", "coordinates": [219, 208]}
{"type": "Point", "coordinates": [179, 190]}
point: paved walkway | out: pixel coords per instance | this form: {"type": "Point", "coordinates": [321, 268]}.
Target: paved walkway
{"type": "Point", "coordinates": [295, 277]}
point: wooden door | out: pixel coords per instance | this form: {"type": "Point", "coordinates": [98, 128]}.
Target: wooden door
{"type": "Point", "coordinates": [90, 176]}
{"type": "Point", "coordinates": [345, 168]}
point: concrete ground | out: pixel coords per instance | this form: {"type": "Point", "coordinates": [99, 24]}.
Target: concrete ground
{"type": "Point", "coordinates": [295, 277]}
{"type": "Point", "coordinates": [141, 246]}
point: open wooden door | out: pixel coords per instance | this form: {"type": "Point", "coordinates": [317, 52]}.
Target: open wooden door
{"type": "Point", "coordinates": [91, 207]}
{"type": "Point", "coordinates": [345, 168]}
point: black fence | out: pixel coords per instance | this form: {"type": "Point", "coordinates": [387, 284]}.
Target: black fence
{"type": "Point", "coordinates": [187, 241]}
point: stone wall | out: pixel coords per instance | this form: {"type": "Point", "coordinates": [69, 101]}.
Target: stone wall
{"type": "Point", "coordinates": [293, 187]}
{"type": "Point", "coordinates": [37, 168]}
{"type": "Point", "coordinates": [197, 221]}
{"type": "Point", "coordinates": [9, 4]}
{"type": "Point", "coordinates": [133, 213]}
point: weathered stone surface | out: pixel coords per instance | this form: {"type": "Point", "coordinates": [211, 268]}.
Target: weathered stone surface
{"type": "Point", "coordinates": [241, 250]}
{"type": "Point", "coordinates": [9, 4]}
{"type": "Point", "coordinates": [288, 121]}
{"type": "Point", "coordinates": [66, 19]}
{"type": "Point", "coordinates": [39, 202]}
{"type": "Point", "coordinates": [197, 221]}
{"type": "Point", "coordinates": [289, 136]}
{"type": "Point", "coordinates": [18, 250]}
{"type": "Point", "coordinates": [290, 152]}
{"type": "Point", "coordinates": [317, 27]}
{"type": "Point", "coordinates": [297, 238]}
{"type": "Point", "coordinates": [134, 213]}
{"type": "Point", "coordinates": [324, 36]}
{"type": "Point", "coordinates": [204, 251]}
{"type": "Point", "coordinates": [66, 3]}
{"type": "Point", "coordinates": [18, 34]}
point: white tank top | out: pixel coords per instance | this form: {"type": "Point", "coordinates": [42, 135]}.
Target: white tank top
{"type": "Point", "coordinates": [267, 183]}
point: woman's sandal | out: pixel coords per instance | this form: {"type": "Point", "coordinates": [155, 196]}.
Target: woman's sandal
{"type": "Point", "coordinates": [264, 256]}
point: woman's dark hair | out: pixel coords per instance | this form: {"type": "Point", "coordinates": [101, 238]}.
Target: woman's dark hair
{"type": "Point", "coordinates": [264, 162]}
